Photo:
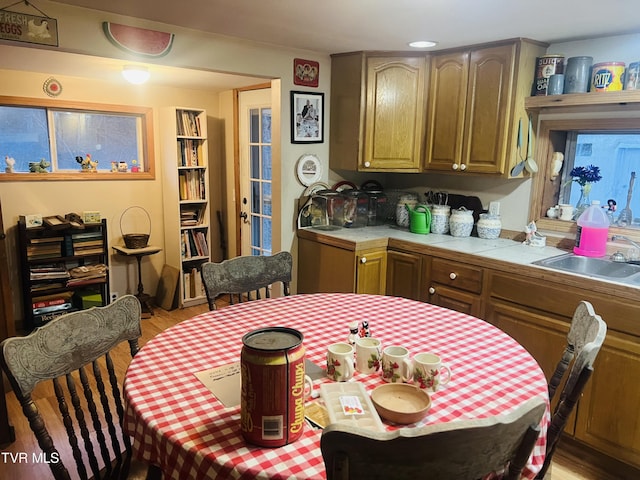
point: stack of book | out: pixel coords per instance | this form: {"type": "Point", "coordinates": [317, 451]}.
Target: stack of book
{"type": "Point", "coordinates": [192, 185]}
{"type": "Point", "coordinates": [47, 307]}
{"type": "Point", "coordinates": [191, 216]}
{"type": "Point", "coordinates": [192, 283]}
{"type": "Point", "coordinates": [48, 272]}
{"type": "Point", "coordinates": [85, 243]}
{"type": "Point", "coordinates": [87, 275]}
{"type": "Point", "coordinates": [194, 244]}
{"type": "Point", "coordinates": [188, 123]}
{"type": "Point", "coordinates": [188, 153]}
{"type": "Point", "coordinates": [44, 247]}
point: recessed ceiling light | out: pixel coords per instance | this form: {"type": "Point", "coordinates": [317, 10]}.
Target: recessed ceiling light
{"type": "Point", "coordinates": [422, 44]}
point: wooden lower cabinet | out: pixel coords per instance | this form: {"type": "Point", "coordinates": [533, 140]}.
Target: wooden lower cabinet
{"type": "Point", "coordinates": [538, 314]}
{"type": "Point", "coordinates": [456, 286]}
{"type": "Point", "coordinates": [609, 410]}
{"type": "Point", "coordinates": [371, 272]}
{"type": "Point", "coordinates": [326, 268]}
{"type": "Point", "coordinates": [405, 274]}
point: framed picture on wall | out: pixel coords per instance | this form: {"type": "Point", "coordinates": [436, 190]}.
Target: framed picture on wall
{"type": "Point", "coordinates": [307, 117]}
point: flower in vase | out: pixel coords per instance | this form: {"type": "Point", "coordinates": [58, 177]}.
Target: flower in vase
{"type": "Point", "coordinates": [585, 175]}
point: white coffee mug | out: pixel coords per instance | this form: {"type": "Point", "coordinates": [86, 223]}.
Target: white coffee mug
{"type": "Point", "coordinates": [340, 362]}
{"type": "Point", "coordinates": [396, 367]}
{"type": "Point", "coordinates": [368, 353]}
{"type": "Point", "coordinates": [427, 371]}
{"type": "Point", "coordinates": [565, 211]}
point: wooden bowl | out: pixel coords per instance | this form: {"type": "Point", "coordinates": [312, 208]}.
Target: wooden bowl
{"type": "Point", "coordinates": [400, 402]}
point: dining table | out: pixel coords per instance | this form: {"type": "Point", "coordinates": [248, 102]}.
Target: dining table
{"type": "Point", "coordinates": [179, 425]}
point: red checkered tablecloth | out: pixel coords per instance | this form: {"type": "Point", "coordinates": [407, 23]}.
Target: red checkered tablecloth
{"type": "Point", "coordinates": [178, 424]}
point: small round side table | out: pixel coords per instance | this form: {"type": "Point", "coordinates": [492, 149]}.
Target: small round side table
{"type": "Point", "coordinates": [138, 253]}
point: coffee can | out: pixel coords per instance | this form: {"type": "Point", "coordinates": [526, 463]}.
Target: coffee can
{"type": "Point", "coordinates": [546, 66]}
{"type": "Point", "coordinates": [632, 77]}
{"type": "Point", "coordinates": [272, 396]}
{"type": "Point", "coordinates": [607, 76]}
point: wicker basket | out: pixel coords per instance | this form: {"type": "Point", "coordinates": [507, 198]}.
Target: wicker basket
{"type": "Point", "coordinates": [135, 240]}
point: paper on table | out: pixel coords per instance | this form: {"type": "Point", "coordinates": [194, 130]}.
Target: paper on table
{"type": "Point", "coordinates": [223, 382]}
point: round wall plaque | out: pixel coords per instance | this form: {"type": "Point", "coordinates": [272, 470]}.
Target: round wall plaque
{"type": "Point", "coordinates": [308, 169]}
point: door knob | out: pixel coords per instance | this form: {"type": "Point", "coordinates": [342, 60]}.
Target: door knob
{"type": "Point", "coordinates": [453, 276]}
{"type": "Point", "coordinates": [432, 290]}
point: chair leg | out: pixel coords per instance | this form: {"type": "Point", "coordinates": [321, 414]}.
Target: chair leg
{"type": "Point", "coordinates": [559, 420]}
{"type": "Point", "coordinates": [154, 473]}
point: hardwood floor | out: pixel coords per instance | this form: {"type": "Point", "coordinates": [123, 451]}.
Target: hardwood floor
{"type": "Point", "coordinates": [16, 460]}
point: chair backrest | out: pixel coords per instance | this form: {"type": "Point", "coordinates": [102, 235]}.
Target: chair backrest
{"type": "Point", "coordinates": [463, 450]}
{"type": "Point", "coordinates": [62, 351]}
{"type": "Point", "coordinates": [585, 338]}
{"type": "Point", "coordinates": [247, 277]}
{"type": "Point", "coordinates": [586, 335]}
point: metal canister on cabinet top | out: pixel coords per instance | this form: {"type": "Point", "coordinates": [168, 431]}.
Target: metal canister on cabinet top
{"type": "Point", "coordinates": [273, 384]}
{"type": "Point", "coordinates": [632, 77]}
{"type": "Point", "coordinates": [546, 66]}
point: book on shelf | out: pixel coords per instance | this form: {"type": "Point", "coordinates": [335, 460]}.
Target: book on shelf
{"type": "Point", "coordinates": [76, 282]}
{"type": "Point", "coordinates": [188, 153]}
{"type": "Point", "coordinates": [191, 185]}
{"type": "Point", "coordinates": [188, 123]}
{"type": "Point", "coordinates": [34, 274]}
{"type": "Point", "coordinates": [51, 299]}
{"type": "Point", "coordinates": [192, 284]}
{"type": "Point", "coordinates": [41, 319]}
{"type": "Point", "coordinates": [53, 308]}
{"type": "Point", "coordinates": [86, 235]}
{"type": "Point", "coordinates": [39, 240]}
{"type": "Point", "coordinates": [43, 287]}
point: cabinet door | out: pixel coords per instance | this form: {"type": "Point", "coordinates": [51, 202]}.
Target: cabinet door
{"type": "Point", "coordinates": [488, 108]}
{"type": "Point", "coordinates": [455, 299]}
{"type": "Point", "coordinates": [324, 268]}
{"type": "Point", "coordinates": [404, 275]}
{"type": "Point", "coordinates": [543, 336]}
{"type": "Point", "coordinates": [394, 116]}
{"type": "Point", "coordinates": [371, 272]}
{"type": "Point", "coordinates": [608, 416]}
{"type": "Point", "coordinates": [445, 118]}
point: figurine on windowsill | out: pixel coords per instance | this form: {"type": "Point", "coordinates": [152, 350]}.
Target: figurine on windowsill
{"type": "Point", "coordinates": [10, 161]}
{"type": "Point", "coordinates": [134, 166]}
{"type": "Point", "coordinates": [39, 167]}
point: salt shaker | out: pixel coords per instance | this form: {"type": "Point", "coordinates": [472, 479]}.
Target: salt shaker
{"type": "Point", "coordinates": [353, 333]}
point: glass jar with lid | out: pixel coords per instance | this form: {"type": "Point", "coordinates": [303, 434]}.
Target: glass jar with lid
{"type": "Point", "coordinates": [402, 214]}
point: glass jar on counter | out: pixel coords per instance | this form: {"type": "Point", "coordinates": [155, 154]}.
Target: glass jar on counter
{"type": "Point", "coordinates": [489, 226]}
{"type": "Point", "coordinates": [402, 214]}
{"type": "Point", "coordinates": [461, 222]}
{"type": "Point", "coordinates": [440, 218]}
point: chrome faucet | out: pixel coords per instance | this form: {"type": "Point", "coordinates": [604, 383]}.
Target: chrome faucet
{"type": "Point", "coordinates": [619, 256]}
{"type": "Point", "coordinates": [627, 239]}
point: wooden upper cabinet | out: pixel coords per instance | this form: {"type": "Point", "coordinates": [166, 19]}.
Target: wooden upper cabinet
{"type": "Point", "coordinates": [476, 103]}
{"type": "Point", "coordinates": [378, 108]}
{"type": "Point", "coordinates": [394, 114]}
{"type": "Point", "coordinates": [445, 119]}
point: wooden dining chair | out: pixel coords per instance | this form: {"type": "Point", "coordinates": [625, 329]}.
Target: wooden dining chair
{"type": "Point", "coordinates": [246, 278]}
{"type": "Point", "coordinates": [586, 335]}
{"type": "Point", "coordinates": [74, 350]}
{"type": "Point", "coordinates": [462, 450]}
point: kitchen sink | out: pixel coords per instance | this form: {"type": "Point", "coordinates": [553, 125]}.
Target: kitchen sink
{"type": "Point", "coordinates": [594, 267]}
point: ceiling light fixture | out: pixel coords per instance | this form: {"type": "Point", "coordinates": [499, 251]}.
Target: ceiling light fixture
{"type": "Point", "coordinates": [422, 44]}
{"type": "Point", "coordinates": [135, 74]}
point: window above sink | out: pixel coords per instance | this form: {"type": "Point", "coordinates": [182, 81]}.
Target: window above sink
{"type": "Point", "coordinates": [615, 128]}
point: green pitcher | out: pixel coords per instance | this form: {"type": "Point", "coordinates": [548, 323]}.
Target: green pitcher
{"type": "Point", "coordinates": [419, 219]}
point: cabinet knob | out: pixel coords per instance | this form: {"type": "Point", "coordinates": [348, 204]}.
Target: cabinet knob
{"type": "Point", "coordinates": [455, 166]}
{"type": "Point", "coordinates": [453, 276]}
{"type": "Point", "coordinates": [432, 290]}
{"type": "Point", "coordinates": [363, 260]}
{"type": "Point", "coordinates": [463, 167]}
{"type": "Point", "coordinates": [367, 164]}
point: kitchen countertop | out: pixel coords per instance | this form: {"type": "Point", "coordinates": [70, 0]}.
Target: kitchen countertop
{"type": "Point", "coordinates": [506, 254]}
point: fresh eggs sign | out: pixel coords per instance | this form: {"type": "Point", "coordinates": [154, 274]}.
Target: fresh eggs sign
{"type": "Point", "coordinates": [20, 27]}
